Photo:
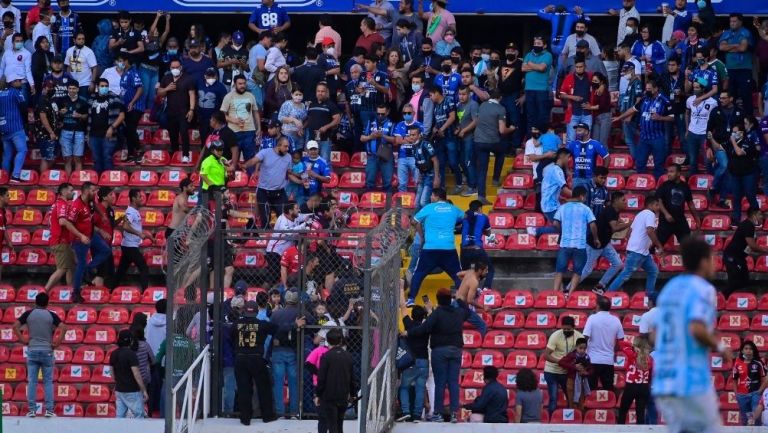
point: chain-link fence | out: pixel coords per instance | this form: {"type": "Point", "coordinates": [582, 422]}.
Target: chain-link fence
{"type": "Point", "coordinates": [331, 276]}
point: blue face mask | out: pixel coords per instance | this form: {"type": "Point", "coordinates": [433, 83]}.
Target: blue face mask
{"type": "Point", "coordinates": [103, 91]}
{"type": "Point", "coordinates": [18, 46]}
{"type": "Point", "coordinates": [172, 52]}
{"type": "Point", "coordinates": [415, 87]}
{"type": "Point", "coordinates": [701, 4]}
{"type": "Point", "coordinates": [120, 65]}
{"type": "Point", "coordinates": [408, 117]}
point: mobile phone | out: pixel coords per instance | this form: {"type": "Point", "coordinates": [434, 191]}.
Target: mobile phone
{"type": "Point", "coordinates": [425, 298]}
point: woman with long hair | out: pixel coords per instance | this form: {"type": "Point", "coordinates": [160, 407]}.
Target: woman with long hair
{"type": "Point", "coordinates": [397, 79]}
{"type": "Point", "coordinates": [41, 62]}
{"type": "Point", "coordinates": [749, 374]}
{"type": "Point", "coordinates": [529, 397]}
{"type": "Point", "coordinates": [638, 380]}
{"type": "Point", "coordinates": [279, 89]}
{"type": "Point", "coordinates": [600, 105]}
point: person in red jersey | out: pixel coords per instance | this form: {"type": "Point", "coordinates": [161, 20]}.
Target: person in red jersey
{"type": "Point", "coordinates": [104, 227]}
{"type": "Point", "coordinates": [60, 237]}
{"type": "Point", "coordinates": [638, 382]}
{"type": "Point", "coordinates": [80, 216]}
{"type": "Point", "coordinates": [290, 263]}
{"type": "Point", "coordinates": [749, 380]}
{"type": "Point", "coordinates": [5, 238]}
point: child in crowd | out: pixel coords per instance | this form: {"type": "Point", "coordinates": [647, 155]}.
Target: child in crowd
{"type": "Point", "coordinates": [579, 367]}
{"type": "Point", "coordinates": [294, 189]}
{"type": "Point", "coordinates": [638, 380]}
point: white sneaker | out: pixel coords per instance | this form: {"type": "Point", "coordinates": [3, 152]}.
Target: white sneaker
{"type": "Point", "coordinates": [185, 159]}
{"type": "Point", "coordinates": [49, 414]}
{"type": "Point", "coordinates": [31, 414]}
{"type": "Point", "coordinates": [531, 231]}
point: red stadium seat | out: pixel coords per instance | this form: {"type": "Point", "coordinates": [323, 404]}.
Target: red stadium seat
{"type": "Point", "coordinates": [156, 158]}
{"type": "Point", "coordinates": [714, 222]}
{"type": "Point", "coordinates": [730, 339]}
{"type": "Point", "coordinates": [60, 295]}
{"type": "Point", "coordinates": [466, 359]}
{"type": "Point", "coordinates": [520, 242]}
{"type": "Point", "coordinates": [94, 393]}
{"type": "Point", "coordinates": [7, 294]}
{"type": "Point", "coordinates": [352, 179]}
{"type": "Point", "coordinates": [508, 319]}
{"type": "Point", "coordinates": [53, 178]}
{"type": "Point", "coordinates": [13, 373]}
{"type": "Point", "coordinates": [63, 354]}
{"type": "Point", "coordinates": [20, 392]}
{"type": "Point", "coordinates": [74, 410]}
{"type": "Point", "coordinates": [358, 160]}
{"type": "Point", "coordinates": [621, 161]}
{"type": "Point", "coordinates": [40, 238]}
{"type": "Point", "coordinates": [95, 295]}
{"type": "Point", "coordinates": [741, 301]}
{"type": "Point", "coordinates": [113, 316]}
{"type": "Point", "coordinates": [88, 355]}
{"type": "Point", "coordinates": [615, 182]}
{"type": "Point", "coordinates": [406, 199]}
{"type": "Point", "coordinates": [639, 301]}
{"type": "Point", "coordinates": [600, 416]}
{"type": "Point", "coordinates": [701, 182]}
{"type": "Point", "coordinates": [490, 299]}
{"type": "Point", "coordinates": [32, 257]}
{"type": "Point", "coordinates": [566, 416]}
{"type": "Point", "coordinates": [641, 182]}
{"type": "Point", "coordinates": [152, 217]}
{"type": "Point", "coordinates": [27, 217]}
{"type": "Point", "coordinates": [13, 313]}
{"type": "Point", "coordinates": [238, 180]}
{"type": "Point", "coordinates": [540, 320]}
{"type": "Point", "coordinates": [79, 177]}
{"type": "Point", "coordinates": [81, 315]}
{"type": "Point", "coordinates": [498, 339]}
{"type": "Point", "coordinates": [249, 259]}
{"type": "Point", "coordinates": [7, 336]}
{"type": "Point", "coordinates": [579, 317]}
{"type": "Point", "coordinates": [177, 156]}
{"type": "Point", "coordinates": [672, 263]}
{"type": "Point", "coordinates": [522, 181]}
{"type": "Point", "coordinates": [339, 159]}
{"type": "Point", "coordinates": [74, 334]}
{"type": "Point", "coordinates": [487, 357]}
{"type": "Point", "coordinates": [100, 334]}
{"type": "Point", "coordinates": [472, 379]}
{"type": "Point", "coordinates": [529, 219]}
{"type": "Point", "coordinates": [19, 237]}
{"type": "Point", "coordinates": [523, 161]}
{"type": "Point", "coordinates": [102, 374]}
{"type": "Point", "coordinates": [153, 294]}
{"type": "Point", "coordinates": [100, 410]}
{"type": "Point", "coordinates": [125, 295]}
{"type": "Point", "coordinates": [735, 322]}
{"type": "Point", "coordinates": [28, 292]}
{"type": "Point", "coordinates": [531, 340]}
{"type": "Point", "coordinates": [549, 300]}
{"type": "Point", "coordinates": [143, 179]}
{"type": "Point", "coordinates": [18, 355]}
{"type": "Point", "coordinates": [517, 359]}
{"type": "Point", "coordinates": [501, 220]}
{"type": "Point", "coordinates": [581, 300]}
{"type": "Point", "coordinates": [472, 339]}
{"type": "Point", "coordinates": [530, 202]}
{"type": "Point", "coordinates": [148, 311]}
{"type": "Point", "coordinates": [631, 321]}
{"type": "Point", "coordinates": [373, 200]}
{"type": "Point", "coordinates": [171, 178]}
{"type": "Point", "coordinates": [16, 197]}
{"type": "Point", "coordinates": [64, 392]}
{"type": "Point", "coordinates": [635, 202]}
{"type": "Point", "coordinates": [113, 178]}
{"type": "Point", "coordinates": [10, 409]}
{"type": "Point", "coordinates": [548, 242]}
{"type": "Point", "coordinates": [509, 201]}
{"type": "Point", "coordinates": [518, 299]}
{"type": "Point", "coordinates": [347, 199]}
{"type": "Point", "coordinates": [363, 220]}
{"type": "Point", "coordinates": [40, 197]}
{"type": "Point", "coordinates": [759, 322]}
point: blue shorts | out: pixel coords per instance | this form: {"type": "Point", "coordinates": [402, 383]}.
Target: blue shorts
{"type": "Point", "coordinates": [72, 143]}
{"type": "Point", "coordinates": [579, 257]}
{"type": "Point", "coordinates": [47, 149]}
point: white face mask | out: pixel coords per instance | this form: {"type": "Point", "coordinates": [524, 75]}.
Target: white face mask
{"type": "Point", "coordinates": [175, 72]}
{"type": "Point", "coordinates": [630, 30]}
{"type": "Point", "coordinates": [331, 51]}
{"type": "Point", "coordinates": [210, 81]}
{"type": "Point", "coordinates": [485, 57]}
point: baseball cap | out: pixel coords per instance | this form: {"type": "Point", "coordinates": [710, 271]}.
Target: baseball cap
{"type": "Point", "coordinates": [240, 287]}
{"type": "Point", "coordinates": [194, 43]}
{"type": "Point", "coordinates": [312, 144]}
{"type": "Point", "coordinates": [582, 44]}
{"type": "Point", "coordinates": [328, 41]}
{"type": "Point", "coordinates": [216, 145]}
{"type": "Point", "coordinates": [251, 309]}
{"type": "Point", "coordinates": [273, 123]}
{"type": "Point", "coordinates": [628, 65]}
{"type": "Point", "coordinates": [238, 37]}
{"type": "Point", "coordinates": [291, 297]}
{"type": "Point", "coordinates": [512, 46]}
{"type": "Point", "coordinates": [211, 72]}
{"type": "Point", "coordinates": [582, 125]}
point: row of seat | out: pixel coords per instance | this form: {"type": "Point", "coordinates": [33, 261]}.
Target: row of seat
{"type": "Point", "coordinates": [92, 410]}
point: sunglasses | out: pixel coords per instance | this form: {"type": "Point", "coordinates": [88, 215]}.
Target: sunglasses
{"type": "Point", "coordinates": [407, 112]}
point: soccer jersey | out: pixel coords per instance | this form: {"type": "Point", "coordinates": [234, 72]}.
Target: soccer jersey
{"type": "Point", "coordinates": [682, 365]}
{"type": "Point", "coordinates": [319, 166]}
{"type": "Point", "coordinates": [439, 220]}
{"type": "Point", "coordinates": [653, 129]}
{"type": "Point", "coordinates": [574, 218]}
{"type": "Point", "coordinates": [401, 130]}
{"type": "Point", "coordinates": [58, 236]}
{"type": "Point", "coordinates": [80, 216]}
{"type": "Point", "coordinates": [585, 157]}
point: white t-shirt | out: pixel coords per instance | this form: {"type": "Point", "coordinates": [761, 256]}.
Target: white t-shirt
{"type": "Point", "coordinates": [111, 75]}
{"type": "Point", "coordinates": [639, 242]}
{"type": "Point", "coordinates": [647, 321]}
{"type": "Point", "coordinates": [531, 149]}
{"type": "Point", "coordinates": [700, 114]}
{"type": "Point", "coordinates": [603, 330]}
{"type": "Point", "coordinates": [80, 61]}
{"type": "Point", "coordinates": [134, 219]}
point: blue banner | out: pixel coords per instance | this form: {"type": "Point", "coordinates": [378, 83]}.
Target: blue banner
{"type": "Point", "coordinates": [595, 7]}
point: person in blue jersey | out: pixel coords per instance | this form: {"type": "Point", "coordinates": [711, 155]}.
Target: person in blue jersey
{"type": "Point", "coordinates": [406, 161]}
{"type": "Point", "coordinates": [59, 76]}
{"type": "Point", "coordinates": [655, 112]}
{"type": "Point", "coordinates": [442, 133]}
{"type": "Point", "coordinates": [65, 26]}
{"type": "Point", "coordinates": [436, 223]}
{"type": "Point", "coordinates": [318, 170]}
{"type": "Point", "coordinates": [448, 80]}
{"type": "Point", "coordinates": [738, 45]}
{"type": "Point", "coordinates": [537, 66]}
{"type": "Point", "coordinates": [474, 226]}
{"type": "Point", "coordinates": [562, 21]}
{"type": "Point", "coordinates": [210, 95]}
{"type": "Point", "coordinates": [13, 111]}
{"type": "Point", "coordinates": [573, 220]}
{"type": "Point", "coordinates": [650, 51]}
{"type": "Point", "coordinates": [702, 74]}
{"type": "Point", "coordinates": [553, 184]}
{"type": "Point", "coordinates": [585, 151]}
{"type": "Point", "coordinates": [269, 18]}
{"type": "Point", "coordinates": [685, 337]}
{"type": "Point", "coordinates": [372, 86]}
{"type": "Point", "coordinates": [379, 138]}
{"type": "Point", "coordinates": [132, 91]}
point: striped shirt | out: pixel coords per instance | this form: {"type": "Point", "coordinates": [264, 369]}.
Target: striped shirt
{"type": "Point", "coordinates": [574, 219]}
{"type": "Point", "coordinates": [65, 28]}
{"type": "Point", "coordinates": [653, 129]}
{"type": "Point", "coordinates": [12, 107]}
{"type": "Point", "coordinates": [708, 75]}
{"type": "Point", "coordinates": [130, 82]}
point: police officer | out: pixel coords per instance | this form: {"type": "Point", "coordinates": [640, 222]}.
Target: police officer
{"type": "Point", "coordinates": [248, 336]}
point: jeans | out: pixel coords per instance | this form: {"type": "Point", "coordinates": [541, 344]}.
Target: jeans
{"type": "Point", "coordinates": [40, 360]}
{"type": "Point", "coordinates": [633, 262]}
{"type": "Point", "coordinates": [582, 181]}
{"type": "Point", "coordinates": [375, 165]}
{"type": "Point", "coordinates": [514, 117]}
{"type": "Point", "coordinates": [474, 319]}
{"type": "Point", "coordinates": [284, 363]}
{"type": "Point", "coordinates": [719, 171]}
{"type": "Point", "coordinates": [471, 255]}
{"type": "Point", "coordinates": [447, 149]}
{"type": "Point", "coordinates": [325, 150]}
{"type": "Point", "coordinates": [14, 143]}
{"type": "Point", "coordinates": [149, 79]}
{"type": "Point", "coordinates": [447, 260]}
{"type": "Point", "coordinates": [741, 88]}
{"type": "Point", "coordinates": [592, 257]}
{"type": "Point", "coordinates": [567, 254]}
{"type": "Point", "coordinates": [406, 169]}
{"type": "Point", "coordinates": [129, 401]}
{"type": "Point", "coordinates": [693, 145]}
{"type": "Point", "coordinates": [747, 404]}
{"type": "Point", "coordinates": [446, 366]}
{"type": "Point", "coordinates": [467, 151]}
{"type": "Point", "coordinates": [550, 228]}
{"type": "Point", "coordinates": [554, 381]}
{"type": "Point", "coordinates": [764, 172]}
{"type": "Point", "coordinates": [676, 128]}
{"type": "Point", "coordinates": [72, 143]}
{"type": "Point", "coordinates": [630, 135]}
{"type": "Point", "coordinates": [483, 152]}
{"type": "Point", "coordinates": [658, 148]}
{"type": "Point", "coordinates": [245, 142]}
{"type": "Point", "coordinates": [601, 128]}
{"type": "Point", "coordinates": [102, 150]}
{"type": "Point", "coordinates": [538, 105]}
{"type": "Point", "coordinates": [100, 251]}
{"type": "Point", "coordinates": [415, 376]}
{"type": "Point", "coordinates": [743, 186]}
{"type": "Point", "coordinates": [424, 190]}
{"type": "Point", "coordinates": [575, 120]}
{"type": "Point", "coordinates": [230, 386]}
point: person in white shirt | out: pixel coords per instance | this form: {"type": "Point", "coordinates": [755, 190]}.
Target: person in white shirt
{"type": "Point", "coordinates": [81, 64]}
{"type": "Point", "coordinates": [579, 34]}
{"type": "Point", "coordinates": [17, 63]}
{"type": "Point", "coordinates": [132, 237]}
{"type": "Point", "coordinates": [534, 151]}
{"type": "Point", "coordinates": [113, 75]}
{"type": "Point", "coordinates": [43, 28]}
{"type": "Point", "coordinates": [648, 319]}
{"type": "Point", "coordinates": [289, 220]}
{"type": "Point", "coordinates": [275, 56]}
{"type": "Point", "coordinates": [6, 6]}
{"type": "Point", "coordinates": [697, 117]}
{"type": "Point", "coordinates": [603, 332]}
{"type": "Point", "coordinates": [642, 235]}
{"type": "Point", "coordinates": [627, 11]}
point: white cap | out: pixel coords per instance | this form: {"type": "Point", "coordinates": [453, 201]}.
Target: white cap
{"type": "Point", "coordinates": [312, 144]}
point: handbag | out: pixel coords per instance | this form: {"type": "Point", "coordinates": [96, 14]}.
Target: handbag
{"type": "Point", "coordinates": [404, 358]}
{"type": "Point", "coordinates": [384, 151]}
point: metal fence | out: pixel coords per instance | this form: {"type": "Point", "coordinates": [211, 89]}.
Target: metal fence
{"type": "Point", "coordinates": [346, 278]}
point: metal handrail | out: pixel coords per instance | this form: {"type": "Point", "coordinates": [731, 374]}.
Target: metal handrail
{"type": "Point", "coordinates": [191, 403]}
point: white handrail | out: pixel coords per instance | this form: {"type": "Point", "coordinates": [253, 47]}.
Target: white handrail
{"type": "Point", "coordinates": [379, 366]}
{"type": "Point", "coordinates": [203, 354]}
{"type": "Point", "coordinates": [379, 394]}
{"type": "Point", "coordinates": [192, 395]}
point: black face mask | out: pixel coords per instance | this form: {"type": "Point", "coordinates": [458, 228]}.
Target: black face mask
{"type": "Point", "coordinates": [536, 134]}
{"type": "Point", "coordinates": [426, 53]}
{"type": "Point", "coordinates": [568, 333]}
{"type": "Point", "coordinates": [580, 33]}
{"type": "Point", "coordinates": [595, 86]}
{"type": "Point", "coordinates": [381, 116]}
{"type": "Point", "coordinates": [495, 63]}
{"type": "Point", "coordinates": [476, 59]}
{"type": "Point", "coordinates": [8, 24]}
{"type": "Point", "coordinates": [511, 57]}
{"type": "Point", "coordinates": [446, 69]}
{"type": "Point", "coordinates": [648, 94]}
{"type": "Point", "coordinates": [455, 60]}
{"type": "Point", "coordinates": [538, 50]}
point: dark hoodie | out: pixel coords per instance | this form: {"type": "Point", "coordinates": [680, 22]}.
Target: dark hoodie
{"type": "Point", "coordinates": [101, 44]}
